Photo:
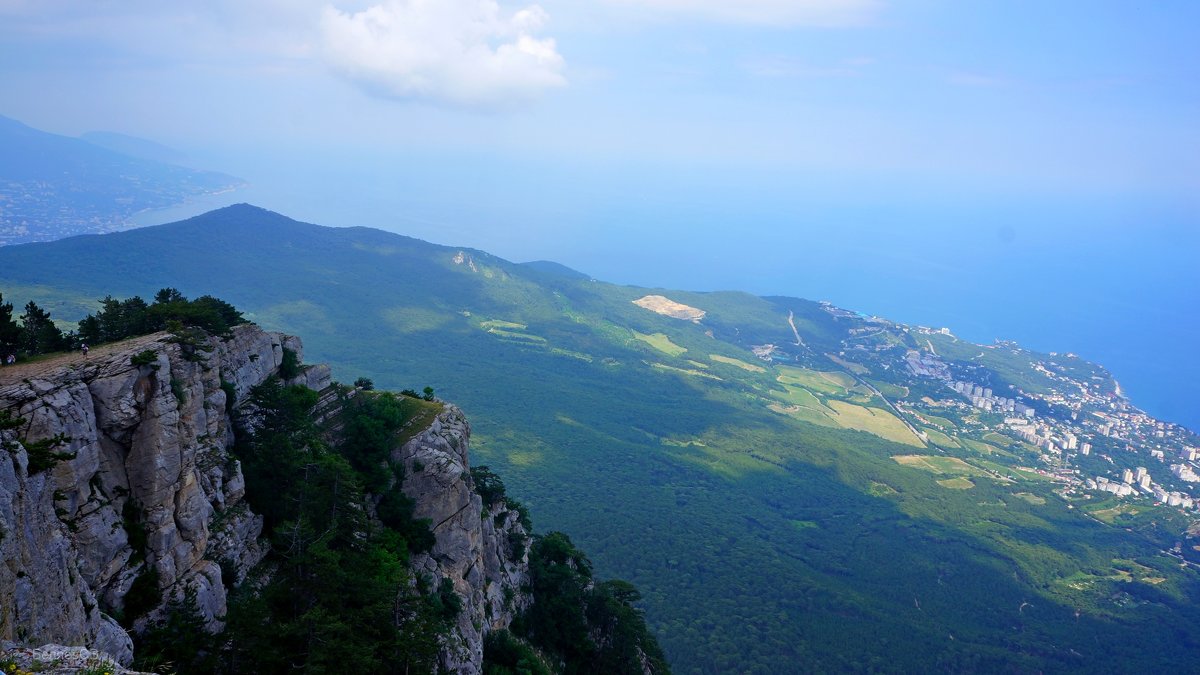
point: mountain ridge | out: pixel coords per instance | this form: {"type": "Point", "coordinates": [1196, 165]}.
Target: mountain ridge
{"type": "Point", "coordinates": [767, 475]}
{"type": "Point", "coordinates": [52, 186]}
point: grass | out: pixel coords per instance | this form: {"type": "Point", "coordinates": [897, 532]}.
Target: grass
{"type": "Point", "coordinates": [939, 465]}
{"type": "Point", "coordinates": [856, 368]}
{"type": "Point", "coordinates": [890, 390]}
{"type": "Point", "coordinates": [1110, 515]}
{"type": "Point", "coordinates": [514, 335]}
{"type": "Point", "coordinates": [826, 382]}
{"type": "Point", "coordinates": [981, 447]}
{"type": "Point", "coordinates": [957, 483]}
{"type": "Point", "coordinates": [685, 371]}
{"type": "Point", "coordinates": [938, 438]}
{"type": "Point", "coordinates": [878, 489]}
{"type": "Point", "coordinates": [1019, 473]}
{"type": "Point", "coordinates": [804, 414]}
{"type": "Point", "coordinates": [998, 439]}
{"type": "Point", "coordinates": [749, 367]}
{"type": "Point", "coordinates": [420, 415]}
{"type": "Point", "coordinates": [1031, 498]}
{"type": "Point", "coordinates": [941, 421]}
{"type": "Point", "coordinates": [801, 397]}
{"type": "Point", "coordinates": [874, 421]}
{"type": "Point", "coordinates": [660, 342]}
{"type": "Point", "coordinates": [505, 325]}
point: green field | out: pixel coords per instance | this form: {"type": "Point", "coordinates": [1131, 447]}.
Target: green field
{"type": "Point", "coordinates": [831, 382]}
{"type": "Point", "coordinates": [661, 342]}
{"type": "Point", "coordinates": [874, 421]}
{"type": "Point", "coordinates": [939, 465]}
{"type": "Point", "coordinates": [938, 438]}
{"type": "Point", "coordinates": [749, 367]}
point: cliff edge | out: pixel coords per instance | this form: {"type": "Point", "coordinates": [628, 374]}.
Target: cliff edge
{"type": "Point", "coordinates": [118, 489]}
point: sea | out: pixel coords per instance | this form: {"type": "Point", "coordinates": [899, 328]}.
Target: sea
{"type": "Point", "coordinates": [1112, 277]}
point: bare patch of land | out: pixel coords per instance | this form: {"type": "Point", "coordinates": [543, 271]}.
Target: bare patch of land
{"type": "Point", "coordinates": [667, 307]}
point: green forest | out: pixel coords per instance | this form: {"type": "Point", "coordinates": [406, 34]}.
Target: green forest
{"type": "Point", "coordinates": [772, 514]}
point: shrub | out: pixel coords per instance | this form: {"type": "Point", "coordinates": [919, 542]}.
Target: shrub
{"type": "Point", "coordinates": [8, 421]}
{"type": "Point", "coordinates": [230, 395]}
{"type": "Point", "coordinates": [143, 595]}
{"type": "Point", "coordinates": [135, 532]}
{"type": "Point", "coordinates": [504, 654]}
{"type": "Point", "coordinates": [447, 601]}
{"type": "Point", "coordinates": [143, 358]}
{"type": "Point", "coordinates": [42, 455]}
{"type": "Point", "coordinates": [289, 367]}
{"type": "Point", "coordinates": [179, 392]}
{"type": "Point", "coordinates": [488, 485]}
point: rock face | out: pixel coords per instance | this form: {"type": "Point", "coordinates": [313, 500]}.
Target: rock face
{"type": "Point", "coordinates": [480, 549]}
{"type": "Point", "coordinates": [144, 485]}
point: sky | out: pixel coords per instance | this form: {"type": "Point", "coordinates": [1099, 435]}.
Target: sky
{"type": "Point", "coordinates": [1014, 168]}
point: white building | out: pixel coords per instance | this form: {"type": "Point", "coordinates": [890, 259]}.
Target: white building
{"type": "Point", "coordinates": [1185, 472]}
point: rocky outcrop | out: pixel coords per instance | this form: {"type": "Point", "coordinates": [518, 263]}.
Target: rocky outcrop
{"type": "Point", "coordinates": [480, 549]}
{"type": "Point", "coordinates": [144, 492]}
{"type": "Point", "coordinates": [144, 487]}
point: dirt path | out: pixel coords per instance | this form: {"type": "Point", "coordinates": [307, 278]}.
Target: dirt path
{"type": "Point", "coordinates": [23, 370]}
{"type": "Point", "coordinates": [792, 323]}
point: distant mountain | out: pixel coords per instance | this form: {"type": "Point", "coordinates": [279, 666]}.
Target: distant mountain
{"type": "Point", "coordinates": [793, 486]}
{"type": "Point", "coordinates": [133, 146]}
{"type": "Point", "coordinates": [55, 186]}
{"type": "Point", "coordinates": [551, 268]}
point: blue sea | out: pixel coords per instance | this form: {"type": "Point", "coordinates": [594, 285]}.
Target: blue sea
{"type": "Point", "coordinates": [1115, 279]}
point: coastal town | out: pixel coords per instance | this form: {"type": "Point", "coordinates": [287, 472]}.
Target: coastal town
{"type": "Point", "coordinates": [1089, 438]}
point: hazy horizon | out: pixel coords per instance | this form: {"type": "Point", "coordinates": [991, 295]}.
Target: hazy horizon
{"type": "Point", "coordinates": [1010, 170]}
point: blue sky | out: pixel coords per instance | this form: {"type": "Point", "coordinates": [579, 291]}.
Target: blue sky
{"type": "Point", "coordinates": [1010, 168]}
{"type": "Point", "coordinates": [1062, 96]}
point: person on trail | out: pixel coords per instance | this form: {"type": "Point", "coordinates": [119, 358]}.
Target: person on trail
{"type": "Point", "coordinates": [84, 348]}
{"type": "Point", "coordinates": [10, 359]}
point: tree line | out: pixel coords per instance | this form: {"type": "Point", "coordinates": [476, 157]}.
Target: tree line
{"type": "Point", "coordinates": [34, 332]}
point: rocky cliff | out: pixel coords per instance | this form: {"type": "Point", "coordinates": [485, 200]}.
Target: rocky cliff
{"type": "Point", "coordinates": [479, 548]}
{"type": "Point", "coordinates": [117, 482]}
{"type": "Point", "coordinates": [116, 475]}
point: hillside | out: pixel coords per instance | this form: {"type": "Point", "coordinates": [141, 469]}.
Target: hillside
{"type": "Point", "coordinates": [55, 186]}
{"type": "Point", "coordinates": [204, 502]}
{"type": "Point", "coordinates": [792, 486]}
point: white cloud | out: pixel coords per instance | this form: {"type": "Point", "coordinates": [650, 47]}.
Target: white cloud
{"type": "Point", "coordinates": [464, 52]}
{"type": "Point", "coordinates": [768, 12]}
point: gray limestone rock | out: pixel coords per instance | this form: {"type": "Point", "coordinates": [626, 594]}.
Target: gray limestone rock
{"type": "Point", "coordinates": [473, 543]}
{"type": "Point", "coordinates": [144, 447]}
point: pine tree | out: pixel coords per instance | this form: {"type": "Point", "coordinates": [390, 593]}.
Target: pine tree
{"type": "Point", "coordinates": [10, 332]}
{"type": "Point", "coordinates": [39, 335]}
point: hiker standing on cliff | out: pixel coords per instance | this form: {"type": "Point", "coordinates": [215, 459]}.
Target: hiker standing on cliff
{"type": "Point", "coordinates": [84, 348]}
